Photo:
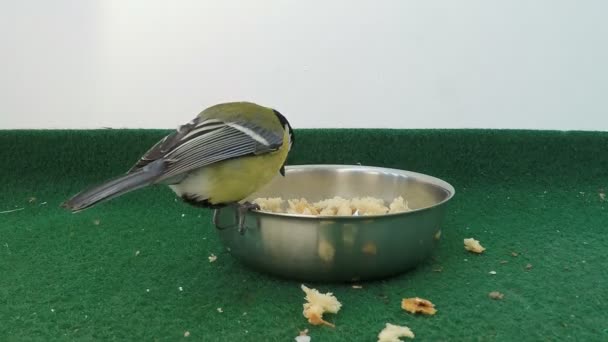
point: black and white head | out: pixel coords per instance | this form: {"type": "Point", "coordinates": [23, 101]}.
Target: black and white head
{"type": "Point", "coordinates": [286, 125]}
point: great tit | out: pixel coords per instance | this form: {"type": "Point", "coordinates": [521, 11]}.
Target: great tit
{"type": "Point", "coordinates": [219, 158]}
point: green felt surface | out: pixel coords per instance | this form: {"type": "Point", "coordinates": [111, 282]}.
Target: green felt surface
{"type": "Point", "coordinates": [114, 272]}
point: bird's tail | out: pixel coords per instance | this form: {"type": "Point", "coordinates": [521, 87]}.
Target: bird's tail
{"type": "Point", "coordinates": [113, 188]}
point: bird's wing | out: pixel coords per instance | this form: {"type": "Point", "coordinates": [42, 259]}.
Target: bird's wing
{"type": "Point", "coordinates": [202, 142]}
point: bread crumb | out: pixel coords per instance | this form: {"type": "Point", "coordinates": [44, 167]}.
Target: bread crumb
{"type": "Point", "coordinates": [514, 254]}
{"type": "Point", "coordinates": [303, 336]}
{"type": "Point", "coordinates": [415, 305]}
{"type": "Point", "coordinates": [96, 222]}
{"type": "Point", "coordinates": [318, 304]}
{"type": "Point", "coordinates": [336, 206]}
{"type": "Point", "coordinates": [473, 245]}
{"type": "Point", "coordinates": [187, 334]}
{"type": "Point", "coordinates": [31, 199]}
{"type": "Point", "coordinates": [399, 205]}
{"type": "Point", "coordinates": [438, 235]}
{"type": "Point", "coordinates": [496, 295]}
{"type": "Point", "coordinates": [302, 207]}
{"type": "Point", "coordinates": [492, 272]}
{"type": "Point", "coordinates": [136, 253]}
{"type": "Point", "coordinates": [212, 257]}
{"type": "Point", "coordinates": [392, 333]}
{"type": "Point", "coordinates": [369, 206]}
{"type": "Point", "coordinates": [271, 204]}
{"type": "Point", "coordinates": [344, 210]}
{"type": "Point", "coordinates": [504, 262]}
{"type": "Point", "coordinates": [180, 288]}
{"type": "Point", "coordinates": [528, 266]}
{"type": "Point", "coordinates": [357, 286]}
{"type": "Point", "coordinates": [220, 310]}
{"type": "Point", "coordinates": [602, 196]}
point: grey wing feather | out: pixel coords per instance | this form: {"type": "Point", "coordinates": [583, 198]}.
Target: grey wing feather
{"type": "Point", "coordinates": [198, 144]}
{"type": "Point", "coordinates": [167, 143]}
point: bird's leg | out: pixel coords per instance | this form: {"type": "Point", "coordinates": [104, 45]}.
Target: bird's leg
{"type": "Point", "coordinates": [215, 215]}
{"type": "Point", "coordinates": [242, 209]}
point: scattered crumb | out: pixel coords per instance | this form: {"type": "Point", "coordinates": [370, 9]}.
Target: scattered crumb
{"type": "Point", "coordinates": [438, 269]}
{"type": "Point", "coordinates": [438, 235]}
{"type": "Point", "coordinates": [186, 334]}
{"type": "Point", "coordinates": [303, 336]}
{"type": "Point", "coordinates": [357, 286]}
{"type": "Point", "coordinates": [602, 196]}
{"type": "Point", "coordinates": [136, 253]}
{"type": "Point", "coordinates": [504, 262]}
{"type": "Point", "coordinates": [529, 266]}
{"type": "Point", "coordinates": [96, 222]}
{"type": "Point", "coordinates": [212, 257]}
{"type": "Point", "coordinates": [473, 245]}
{"type": "Point", "coordinates": [392, 333]}
{"type": "Point", "coordinates": [11, 211]}
{"type": "Point", "coordinates": [415, 305]}
{"type": "Point", "coordinates": [492, 272]}
{"type": "Point", "coordinates": [147, 290]}
{"type": "Point", "coordinates": [180, 288]}
{"type": "Point", "coordinates": [496, 295]}
{"type": "Point", "coordinates": [514, 254]}
{"type": "Point", "coordinates": [43, 203]}
{"type": "Point", "coordinates": [318, 304]}
{"type": "Point", "coordinates": [31, 199]}
{"type": "Point", "coordinates": [52, 310]}
{"type": "Point", "coordinates": [183, 215]}
{"type": "Point", "coordinates": [220, 310]}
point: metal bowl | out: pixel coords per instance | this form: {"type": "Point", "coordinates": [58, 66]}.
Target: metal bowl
{"type": "Point", "coordinates": [338, 249]}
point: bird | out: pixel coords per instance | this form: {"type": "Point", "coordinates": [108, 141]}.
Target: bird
{"type": "Point", "coordinates": [219, 158]}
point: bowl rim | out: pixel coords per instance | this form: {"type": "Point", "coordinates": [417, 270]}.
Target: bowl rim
{"type": "Point", "coordinates": [425, 178]}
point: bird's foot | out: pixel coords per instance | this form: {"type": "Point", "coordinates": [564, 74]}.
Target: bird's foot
{"type": "Point", "coordinates": [242, 209]}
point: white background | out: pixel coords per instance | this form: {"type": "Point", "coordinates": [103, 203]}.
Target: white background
{"type": "Point", "coordinates": [401, 64]}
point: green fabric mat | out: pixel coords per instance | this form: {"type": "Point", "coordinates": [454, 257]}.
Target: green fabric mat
{"type": "Point", "coordinates": [136, 268]}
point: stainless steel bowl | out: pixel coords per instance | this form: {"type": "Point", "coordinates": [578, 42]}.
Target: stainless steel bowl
{"type": "Point", "coordinates": [331, 248]}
